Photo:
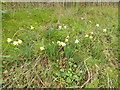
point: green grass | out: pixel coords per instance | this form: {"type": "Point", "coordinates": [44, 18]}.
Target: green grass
{"type": "Point", "coordinates": [91, 63]}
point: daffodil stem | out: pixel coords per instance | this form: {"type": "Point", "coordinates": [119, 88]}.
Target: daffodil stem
{"type": "Point", "coordinates": [60, 49]}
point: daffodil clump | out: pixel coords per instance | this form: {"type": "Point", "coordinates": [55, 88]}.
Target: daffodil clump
{"type": "Point", "coordinates": [15, 43]}
{"type": "Point", "coordinates": [62, 27]}
{"type": "Point", "coordinates": [89, 35]}
{"type": "Point", "coordinates": [61, 43]}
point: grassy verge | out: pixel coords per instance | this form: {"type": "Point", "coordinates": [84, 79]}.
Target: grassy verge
{"type": "Point", "coordinates": [86, 58]}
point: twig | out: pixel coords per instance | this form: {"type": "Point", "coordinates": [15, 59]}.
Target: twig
{"type": "Point", "coordinates": [86, 82]}
{"type": "Point", "coordinates": [35, 63]}
{"type": "Point", "coordinates": [108, 81]}
{"type": "Point", "coordinates": [40, 80]}
{"type": "Point", "coordinates": [30, 82]}
{"type": "Point", "coordinates": [96, 68]}
{"type": "Point", "coordinates": [60, 49]}
{"type": "Point", "coordinates": [89, 78]}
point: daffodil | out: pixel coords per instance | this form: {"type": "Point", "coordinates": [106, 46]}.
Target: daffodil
{"type": "Point", "coordinates": [90, 21]}
{"type": "Point", "coordinates": [66, 40]}
{"type": "Point", "coordinates": [104, 30]}
{"type": "Point", "coordinates": [15, 43]}
{"type": "Point", "coordinates": [90, 37]}
{"type": "Point", "coordinates": [60, 27]}
{"type": "Point", "coordinates": [82, 18]}
{"type": "Point", "coordinates": [52, 42]}
{"type": "Point", "coordinates": [86, 35]}
{"type": "Point", "coordinates": [19, 41]}
{"type": "Point", "coordinates": [62, 44]}
{"type": "Point", "coordinates": [65, 27]}
{"type": "Point", "coordinates": [97, 25]}
{"type": "Point", "coordinates": [31, 27]}
{"type": "Point", "coordinates": [76, 41]}
{"type": "Point", "coordinates": [9, 40]}
{"type": "Point", "coordinates": [91, 32]}
{"type": "Point", "coordinates": [58, 42]}
{"type": "Point", "coordinates": [42, 48]}
{"type": "Point", "coordinates": [67, 37]}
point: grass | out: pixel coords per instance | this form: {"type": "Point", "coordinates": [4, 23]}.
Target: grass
{"type": "Point", "coordinates": [91, 63]}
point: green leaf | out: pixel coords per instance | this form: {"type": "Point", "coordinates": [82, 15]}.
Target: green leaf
{"type": "Point", "coordinates": [68, 80]}
{"type": "Point", "coordinates": [6, 56]}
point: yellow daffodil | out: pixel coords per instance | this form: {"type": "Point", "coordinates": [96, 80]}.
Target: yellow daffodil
{"type": "Point", "coordinates": [67, 37]}
{"type": "Point", "coordinates": [82, 18]}
{"type": "Point", "coordinates": [9, 40]}
{"type": "Point", "coordinates": [91, 32]}
{"type": "Point", "coordinates": [76, 41]}
{"type": "Point", "coordinates": [42, 48]}
{"type": "Point", "coordinates": [58, 42]}
{"type": "Point", "coordinates": [66, 40]}
{"type": "Point", "coordinates": [31, 27]}
{"type": "Point", "coordinates": [65, 27]}
{"type": "Point", "coordinates": [90, 37]}
{"type": "Point", "coordinates": [86, 35]}
{"type": "Point", "coordinates": [62, 44]}
{"type": "Point", "coordinates": [97, 25]}
{"type": "Point", "coordinates": [60, 27]}
{"type": "Point", "coordinates": [15, 43]}
{"type": "Point", "coordinates": [104, 30]}
{"type": "Point", "coordinates": [19, 41]}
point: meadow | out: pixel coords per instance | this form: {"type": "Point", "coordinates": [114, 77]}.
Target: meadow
{"type": "Point", "coordinates": [60, 47]}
